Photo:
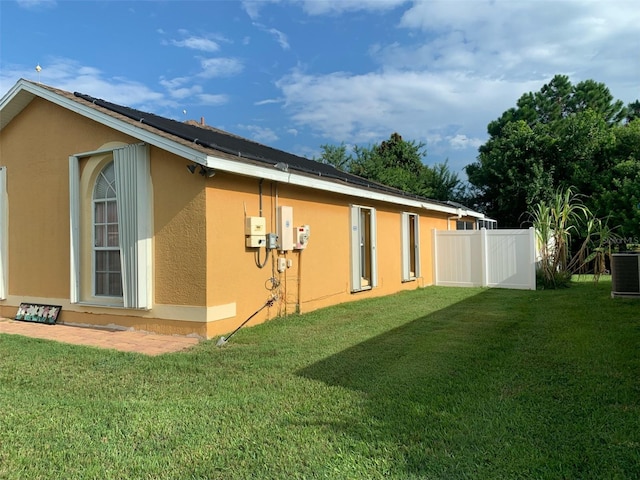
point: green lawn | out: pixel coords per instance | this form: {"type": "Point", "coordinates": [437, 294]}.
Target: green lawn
{"type": "Point", "coordinates": [434, 383]}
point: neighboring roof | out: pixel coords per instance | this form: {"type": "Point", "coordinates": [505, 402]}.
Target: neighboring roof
{"type": "Point", "coordinates": [217, 149]}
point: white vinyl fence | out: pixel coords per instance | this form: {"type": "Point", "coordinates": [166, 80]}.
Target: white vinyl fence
{"type": "Point", "coordinates": [485, 258]}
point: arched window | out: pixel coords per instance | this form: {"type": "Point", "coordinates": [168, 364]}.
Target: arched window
{"type": "Point", "coordinates": [106, 236]}
{"type": "Point", "coordinates": [111, 227]}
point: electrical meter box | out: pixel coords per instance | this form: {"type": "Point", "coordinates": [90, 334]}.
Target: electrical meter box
{"type": "Point", "coordinates": [302, 237]}
{"type": "Point", "coordinates": [285, 228]}
{"type": "Point", "coordinates": [255, 230]}
{"type": "Point", "coordinates": [272, 241]}
{"type": "Point", "coordinates": [255, 241]}
{"type": "Point", "coordinates": [255, 226]}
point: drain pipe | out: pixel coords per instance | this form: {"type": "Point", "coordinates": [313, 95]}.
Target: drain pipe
{"type": "Point", "coordinates": [299, 303]}
{"type": "Point", "coordinates": [457, 217]}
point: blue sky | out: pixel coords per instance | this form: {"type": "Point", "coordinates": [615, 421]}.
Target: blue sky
{"type": "Point", "coordinates": [297, 74]}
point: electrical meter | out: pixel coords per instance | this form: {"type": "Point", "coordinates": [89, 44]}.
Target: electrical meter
{"type": "Point", "coordinates": [302, 237]}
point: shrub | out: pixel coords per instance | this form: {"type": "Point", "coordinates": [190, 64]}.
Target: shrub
{"type": "Point", "coordinates": [558, 279]}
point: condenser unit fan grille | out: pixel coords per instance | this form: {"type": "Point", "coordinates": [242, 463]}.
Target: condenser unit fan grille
{"type": "Point", "coordinates": [625, 274]}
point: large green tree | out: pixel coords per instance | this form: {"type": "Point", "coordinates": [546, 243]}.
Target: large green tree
{"type": "Point", "coordinates": [562, 136]}
{"type": "Point", "coordinates": [336, 155]}
{"type": "Point", "coordinates": [394, 162]}
{"type": "Point", "coordinates": [617, 195]}
{"type": "Point", "coordinates": [397, 163]}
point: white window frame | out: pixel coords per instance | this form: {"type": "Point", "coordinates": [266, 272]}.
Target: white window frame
{"type": "Point", "coordinates": [104, 244]}
{"type": "Point", "coordinates": [364, 274]}
{"type": "Point", "coordinates": [135, 225]}
{"type": "Point", "coordinates": [410, 238]}
{"type": "Point", "coordinates": [4, 233]}
{"type": "Point", "coordinates": [465, 225]}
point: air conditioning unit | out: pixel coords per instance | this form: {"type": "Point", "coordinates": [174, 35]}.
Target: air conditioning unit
{"type": "Point", "coordinates": [625, 275]}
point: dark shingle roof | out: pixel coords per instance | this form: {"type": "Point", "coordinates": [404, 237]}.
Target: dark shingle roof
{"type": "Point", "coordinates": [228, 143]}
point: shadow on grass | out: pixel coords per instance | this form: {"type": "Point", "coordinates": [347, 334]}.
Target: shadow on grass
{"type": "Point", "coordinates": [467, 391]}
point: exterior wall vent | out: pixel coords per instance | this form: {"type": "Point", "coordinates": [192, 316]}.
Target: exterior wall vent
{"type": "Point", "coordinates": [625, 275]}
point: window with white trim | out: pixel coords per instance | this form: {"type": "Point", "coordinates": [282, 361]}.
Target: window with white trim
{"type": "Point", "coordinates": [107, 279]}
{"type": "Point", "coordinates": [111, 218]}
{"type": "Point", "coordinates": [410, 246]}
{"type": "Point", "coordinates": [465, 225]}
{"type": "Point", "coordinates": [363, 248]}
{"type": "Point", "coordinates": [489, 224]}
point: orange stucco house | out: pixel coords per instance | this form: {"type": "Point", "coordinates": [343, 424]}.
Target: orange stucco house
{"type": "Point", "coordinates": [131, 220]}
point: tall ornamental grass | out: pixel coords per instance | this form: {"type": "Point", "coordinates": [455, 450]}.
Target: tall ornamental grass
{"type": "Point", "coordinates": [558, 223]}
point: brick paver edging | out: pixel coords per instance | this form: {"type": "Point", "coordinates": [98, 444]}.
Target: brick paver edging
{"type": "Point", "coordinates": [123, 340]}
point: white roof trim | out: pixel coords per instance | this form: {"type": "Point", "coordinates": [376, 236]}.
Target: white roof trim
{"type": "Point", "coordinates": [318, 183]}
{"type": "Point", "coordinates": [103, 118]}
{"type": "Point", "coordinates": [23, 87]}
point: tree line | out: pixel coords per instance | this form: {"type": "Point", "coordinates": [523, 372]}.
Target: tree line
{"type": "Point", "coordinates": [563, 136]}
{"type": "Point", "coordinates": [397, 163]}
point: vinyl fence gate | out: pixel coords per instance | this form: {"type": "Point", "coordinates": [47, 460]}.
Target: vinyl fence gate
{"type": "Point", "coordinates": [485, 258]}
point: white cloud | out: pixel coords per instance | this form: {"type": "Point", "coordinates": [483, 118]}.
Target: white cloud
{"type": "Point", "coordinates": [315, 7]}
{"type": "Point", "coordinates": [197, 43]}
{"type": "Point", "coordinates": [268, 101]}
{"type": "Point", "coordinates": [459, 142]}
{"type": "Point", "coordinates": [323, 7]}
{"type": "Point", "coordinates": [174, 83]}
{"type": "Point", "coordinates": [212, 100]}
{"type": "Point", "coordinates": [521, 39]}
{"type": "Point", "coordinates": [362, 108]}
{"type": "Point", "coordinates": [36, 4]}
{"type": "Point", "coordinates": [280, 37]}
{"type": "Point", "coordinates": [260, 134]}
{"type": "Point", "coordinates": [182, 93]}
{"type": "Point", "coordinates": [252, 8]}
{"type": "Point", "coordinates": [69, 75]}
{"type": "Point", "coordinates": [220, 67]}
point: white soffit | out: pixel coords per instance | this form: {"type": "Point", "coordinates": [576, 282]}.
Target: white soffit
{"type": "Point", "coordinates": [318, 183]}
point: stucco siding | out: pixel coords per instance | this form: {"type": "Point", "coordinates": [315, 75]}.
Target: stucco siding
{"type": "Point", "coordinates": [317, 276]}
{"type": "Point", "coordinates": [35, 148]}
{"type": "Point", "coordinates": [180, 234]}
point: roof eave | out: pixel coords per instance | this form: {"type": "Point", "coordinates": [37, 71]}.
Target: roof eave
{"type": "Point", "coordinates": [318, 183]}
{"type": "Point", "coordinates": [24, 87]}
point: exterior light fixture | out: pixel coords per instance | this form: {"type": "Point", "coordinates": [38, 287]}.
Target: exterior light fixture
{"type": "Point", "coordinates": [204, 171]}
{"type": "Point", "coordinates": [207, 171]}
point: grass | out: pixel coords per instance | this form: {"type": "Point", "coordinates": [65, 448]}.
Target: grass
{"type": "Point", "coordinates": [434, 383]}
